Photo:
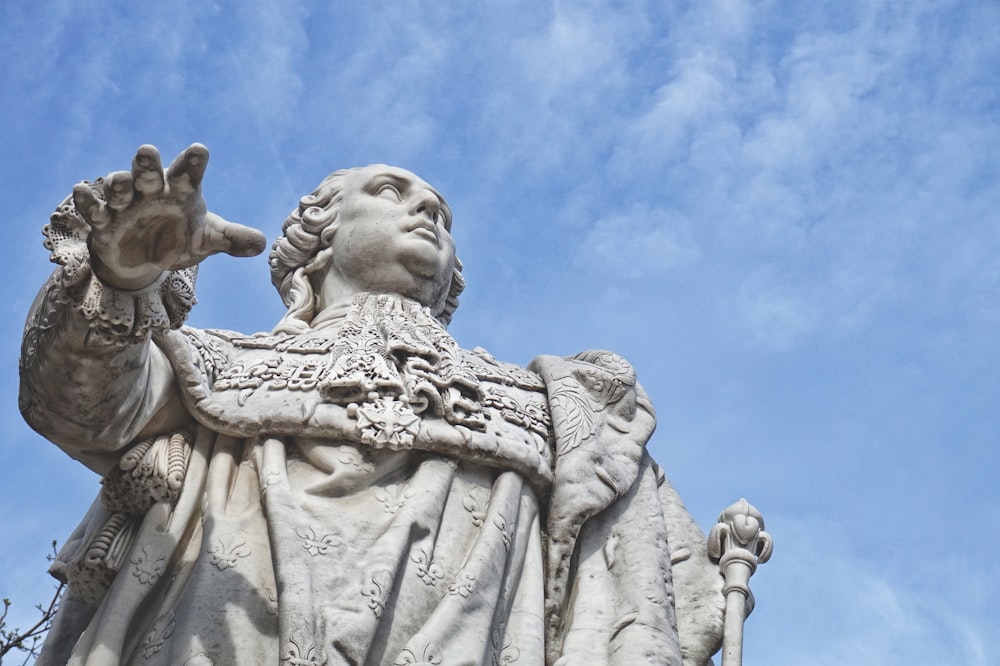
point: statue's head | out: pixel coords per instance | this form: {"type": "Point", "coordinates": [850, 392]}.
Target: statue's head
{"type": "Point", "coordinates": [376, 229]}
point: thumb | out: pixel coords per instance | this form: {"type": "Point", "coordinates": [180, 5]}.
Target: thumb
{"type": "Point", "coordinates": [219, 235]}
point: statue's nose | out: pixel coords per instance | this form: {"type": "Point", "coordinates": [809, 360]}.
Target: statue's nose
{"type": "Point", "coordinates": [428, 204]}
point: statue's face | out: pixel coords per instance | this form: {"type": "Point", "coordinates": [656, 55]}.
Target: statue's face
{"type": "Point", "coordinates": [394, 235]}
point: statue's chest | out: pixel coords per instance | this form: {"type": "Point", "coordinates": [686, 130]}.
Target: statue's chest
{"type": "Point", "coordinates": [263, 374]}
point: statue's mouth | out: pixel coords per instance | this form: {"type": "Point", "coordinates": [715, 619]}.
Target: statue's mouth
{"type": "Point", "coordinates": [425, 229]}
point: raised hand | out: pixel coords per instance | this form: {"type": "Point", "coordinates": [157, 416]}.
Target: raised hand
{"type": "Point", "coordinates": [153, 220]}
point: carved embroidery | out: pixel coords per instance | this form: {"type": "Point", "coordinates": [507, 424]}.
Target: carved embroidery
{"type": "Point", "coordinates": [161, 631]}
{"type": "Point", "coordinates": [318, 545]}
{"type": "Point", "coordinates": [361, 370]}
{"type": "Point", "coordinates": [419, 652]}
{"type": "Point", "coordinates": [385, 422]}
{"type": "Point", "coordinates": [463, 585]}
{"type": "Point", "coordinates": [487, 368]}
{"type": "Point", "coordinates": [531, 416]}
{"type": "Point", "coordinates": [146, 571]}
{"type": "Point", "coordinates": [295, 653]}
{"type": "Point", "coordinates": [476, 501]}
{"type": "Point", "coordinates": [210, 358]}
{"type": "Point", "coordinates": [427, 570]}
{"type": "Point", "coordinates": [272, 374]}
{"type": "Point", "coordinates": [248, 378]}
{"type": "Point", "coordinates": [227, 551]}
{"type": "Point", "coordinates": [393, 497]}
{"type": "Point", "coordinates": [296, 344]}
{"type": "Point", "coordinates": [378, 592]}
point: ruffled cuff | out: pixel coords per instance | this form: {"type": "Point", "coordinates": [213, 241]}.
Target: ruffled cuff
{"type": "Point", "coordinates": [114, 313]}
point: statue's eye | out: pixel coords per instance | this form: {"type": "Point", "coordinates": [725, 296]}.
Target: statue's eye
{"type": "Point", "coordinates": [389, 190]}
{"type": "Point", "coordinates": [442, 219]}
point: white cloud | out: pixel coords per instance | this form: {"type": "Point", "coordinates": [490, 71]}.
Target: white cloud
{"type": "Point", "coordinates": [867, 608]}
{"type": "Point", "coordinates": [637, 242]}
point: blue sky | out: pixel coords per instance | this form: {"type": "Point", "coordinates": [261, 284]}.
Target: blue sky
{"type": "Point", "coordinates": [785, 214]}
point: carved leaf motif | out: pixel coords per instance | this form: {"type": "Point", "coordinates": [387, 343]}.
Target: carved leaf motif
{"type": "Point", "coordinates": [573, 415]}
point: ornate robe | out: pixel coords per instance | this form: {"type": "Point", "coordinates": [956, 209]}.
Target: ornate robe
{"type": "Point", "coordinates": [365, 492]}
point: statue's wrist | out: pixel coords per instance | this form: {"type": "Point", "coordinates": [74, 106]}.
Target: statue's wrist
{"type": "Point", "coordinates": [140, 282]}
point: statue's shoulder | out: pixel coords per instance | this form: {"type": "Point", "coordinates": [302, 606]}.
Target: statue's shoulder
{"type": "Point", "coordinates": [487, 368]}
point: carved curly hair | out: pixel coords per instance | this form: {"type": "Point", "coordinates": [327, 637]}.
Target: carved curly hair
{"type": "Point", "coordinates": [305, 236]}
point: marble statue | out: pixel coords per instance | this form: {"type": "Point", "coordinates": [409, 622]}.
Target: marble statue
{"type": "Point", "coordinates": [351, 487]}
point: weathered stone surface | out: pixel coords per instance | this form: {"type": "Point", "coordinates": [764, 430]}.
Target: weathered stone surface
{"type": "Point", "coordinates": [352, 486]}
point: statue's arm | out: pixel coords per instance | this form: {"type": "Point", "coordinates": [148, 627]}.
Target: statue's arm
{"type": "Point", "coordinates": [90, 394]}
{"type": "Point", "coordinates": [127, 248]}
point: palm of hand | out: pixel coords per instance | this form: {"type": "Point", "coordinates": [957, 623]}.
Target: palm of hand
{"type": "Point", "coordinates": [153, 220]}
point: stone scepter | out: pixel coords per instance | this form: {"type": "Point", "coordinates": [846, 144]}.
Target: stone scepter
{"type": "Point", "coordinates": [738, 543]}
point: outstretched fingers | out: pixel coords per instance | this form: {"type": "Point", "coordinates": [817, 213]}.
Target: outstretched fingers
{"type": "Point", "coordinates": [147, 171]}
{"type": "Point", "coordinates": [94, 211]}
{"type": "Point", "coordinates": [186, 172]}
{"type": "Point", "coordinates": [118, 189]}
{"type": "Point", "coordinates": [220, 235]}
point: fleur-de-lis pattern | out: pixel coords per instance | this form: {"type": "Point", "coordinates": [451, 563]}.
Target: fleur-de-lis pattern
{"type": "Point", "coordinates": [298, 652]}
{"type": "Point", "coordinates": [463, 585]}
{"type": "Point", "coordinates": [503, 651]}
{"type": "Point", "coordinates": [419, 652]}
{"type": "Point", "coordinates": [393, 497]}
{"type": "Point", "coordinates": [377, 592]}
{"type": "Point", "coordinates": [476, 501]}
{"type": "Point", "coordinates": [506, 529]}
{"type": "Point", "coordinates": [227, 551]}
{"type": "Point", "coordinates": [146, 570]}
{"type": "Point", "coordinates": [351, 456]}
{"type": "Point", "coordinates": [427, 570]}
{"type": "Point", "coordinates": [316, 544]}
{"type": "Point", "coordinates": [158, 635]}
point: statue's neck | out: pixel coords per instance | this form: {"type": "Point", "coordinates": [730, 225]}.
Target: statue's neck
{"type": "Point", "coordinates": [332, 316]}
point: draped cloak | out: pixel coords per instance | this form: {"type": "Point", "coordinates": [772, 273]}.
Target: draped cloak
{"type": "Point", "coordinates": [364, 492]}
